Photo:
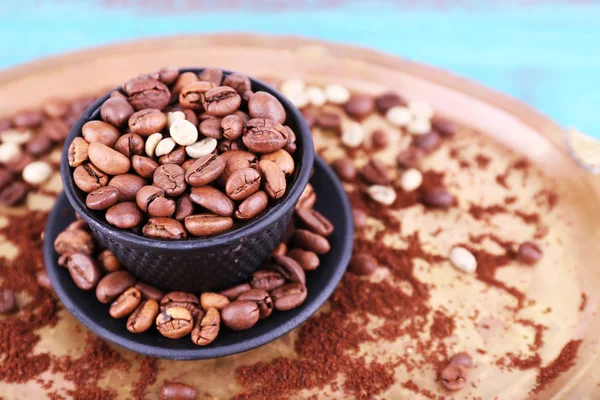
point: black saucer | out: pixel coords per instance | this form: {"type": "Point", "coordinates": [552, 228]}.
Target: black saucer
{"type": "Point", "coordinates": [332, 202]}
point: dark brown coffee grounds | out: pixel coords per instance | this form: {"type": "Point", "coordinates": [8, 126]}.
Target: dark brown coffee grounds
{"type": "Point", "coordinates": [583, 301]}
{"type": "Point", "coordinates": [560, 365]}
{"type": "Point", "coordinates": [364, 380]}
{"type": "Point", "coordinates": [413, 387]}
{"type": "Point", "coordinates": [482, 161]}
{"type": "Point", "coordinates": [508, 200]}
{"type": "Point", "coordinates": [147, 371]}
{"type": "Point", "coordinates": [538, 340]}
{"type": "Point", "coordinates": [480, 212]}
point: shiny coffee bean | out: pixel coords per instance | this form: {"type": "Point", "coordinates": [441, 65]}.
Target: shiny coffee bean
{"type": "Point", "coordinates": [170, 178]}
{"type": "Point", "coordinates": [207, 224]}
{"type": "Point", "coordinates": [54, 129]}
{"type": "Point", "coordinates": [289, 296]}
{"type": "Point", "coordinates": [124, 215]}
{"type": "Point", "coordinates": [177, 156]}
{"type": "Point", "coordinates": [55, 108]}
{"type": "Point", "coordinates": [102, 198]}
{"type": "Point", "coordinates": [27, 118]}
{"type": "Point", "coordinates": [127, 185]}
{"type": "Point", "coordinates": [308, 198]}
{"type": "Point", "coordinates": [164, 228]}
{"type": "Point", "coordinates": [388, 100]}
{"type": "Point", "coordinates": [233, 292]}
{"type": "Point", "coordinates": [410, 158]}
{"type": "Point", "coordinates": [454, 377]}
{"type": "Point", "coordinates": [108, 160]}
{"type": "Point", "coordinates": [273, 177]}
{"type": "Point", "coordinates": [130, 144]}
{"type": "Point", "coordinates": [148, 93]}
{"type": "Point", "coordinates": [177, 391]}
{"type": "Point", "coordinates": [314, 221]}
{"type": "Point", "coordinates": [186, 300]}
{"type": "Point", "coordinates": [8, 301]}
{"type": "Point", "coordinates": [191, 94]}
{"type": "Point", "coordinates": [213, 200]}
{"type": "Point", "coordinates": [100, 132]}
{"type": "Point", "coordinates": [232, 126]}
{"type": "Point", "coordinates": [437, 198]}
{"type": "Point", "coordinates": [239, 82]}
{"type": "Point", "coordinates": [290, 145]}
{"type": "Point", "coordinates": [43, 280]}
{"type": "Point", "coordinates": [428, 142]}
{"type": "Point", "coordinates": [380, 139]}
{"type": "Point", "coordinates": [211, 128]}
{"type": "Point", "coordinates": [240, 315]}
{"type": "Point", "coordinates": [359, 106]}
{"type": "Point", "coordinates": [116, 111]}
{"type": "Point", "coordinates": [149, 292]}
{"type": "Point", "coordinates": [265, 105]}
{"type": "Point", "coordinates": [234, 160]}
{"type": "Point", "coordinates": [143, 316]}
{"type": "Point", "coordinates": [148, 121]}
{"type": "Point", "coordinates": [283, 159]}
{"type": "Point", "coordinates": [242, 183]}
{"type": "Point", "coordinates": [289, 269]}
{"type": "Point", "coordinates": [183, 80]}
{"type": "Point", "coordinates": [362, 264]}
{"type": "Point", "coordinates": [84, 271]}
{"type": "Point", "coordinates": [144, 166]}
{"type": "Point", "coordinates": [444, 127]}
{"type": "Point", "coordinates": [252, 206]}
{"type": "Point", "coordinates": [126, 303]}
{"type": "Point", "coordinates": [463, 359]}
{"type": "Point", "coordinates": [212, 75]}
{"type": "Point", "coordinates": [310, 241]}
{"type": "Point", "coordinates": [530, 253]}
{"type": "Point", "coordinates": [213, 300]}
{"type": "Point", "coordinates": [174, 322]}
{"type": "Point", "coordinates": [74, 241]}
{"type": "Point", "coordinates": [261, 298]}
{"type": "Point", "coordinates": [112, 285]}
{"type": "Point", "coordinates": [308, 260]}
{"type": "Point", "coordinates": [205, 170]}
{"type": "Point", "coordinates": [88, 177]}
{"type": "Point", "coordinates": [376, 173]}
{"type": "Point", "coordinates": [266, 280]}
{"type": "Point", "coordinates": [184, 208]}
{"type": "Point", "coordinates": [78, 152]}
{"type": "Point", "coordinates": [13, 194]}
{"type": "Point", "coordinates": [152, 200]}
{"type": "Point", "coordinates": [221, 101]}
{"type": "Point", "coordinates": [264, 136]}
{"type": "Point", "coordinates": [330, 121]}
{"type": "Point", "coordinates": [108, 262]}
{"type": "Point", "coordinates": [39, 145]}
{"type": "Point", "coordinates": [344, 168]}
{"type": "Point", "coordinates": [280, 250]}
{"type": "Point", "coordinates": [207, 328]}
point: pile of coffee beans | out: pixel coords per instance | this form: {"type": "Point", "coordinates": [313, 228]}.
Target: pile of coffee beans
{"type": "Point", "coordinates": [179, 154]}
{"type": "Point", "coordinates": [279, 285]}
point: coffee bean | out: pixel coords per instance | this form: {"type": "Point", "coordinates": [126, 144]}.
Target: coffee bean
{"type": "Point", "coordinates": [74, 241]}
{"type": "Point", "coordinates": [166, 75]}
{"type": "Point", "coordinates": [235, 160]}
{"type": "Point", "coordinates": [232, 127]}
{"type": "Point", "coordinates": [126, 303]}
{"type": "Point", "coordinates": [84, 271]}
{"type": "Point", "coordinates": [530, 253]}
{"type": "Point", "coordinates": [191, 94]}
{"type": "Point", "coordinates": [152, 142]}
{"type": "Point", "coordinates": [210, 300]}
{"type": "Point", "coordinates": [213, 200]}
{"type": "Point", "coordinates": [164, 228]}
{"type": "Point", "coordinates": [149, 292]}
{"type": "Point", "coordinates": [239, 82]}
{"type": "Point", "coordinates": [177, 156]}
{"type": "Point", "coordinates": [421, 109]}
{"type": "Point", "coordinates": [201, 148]}
{"type": "Point", "coordinates": [290, 145]}
{"type": "Point", "coordinates": [437, 198]}
{"type": "Point", "coordinates": [463, 259]}
{"type": "Point", "coordinates": [39, 146]}
{"type": "Point", "coordinates": [308, 198]}
{"type": "Point", "coordinates": [113, 284]}
{"type": "Point", "coordinates": [337, 94]}
{"type": "Point", "coordinates": [410, 158]}
{"type": "Point", "coordinates": [344, 168]}
{"type": "Point", "coordinates": [27, 118]}
{"type": "Point", "coordinates": [148, 93]}
{"type": "Point", "coordinates": [377, 173]}
{"type": "Point", "coordinates": [265, 105]}
{"type": "Point", "coordinates": [55, 129]}
{"type": "Point", "coordinates": [108, 160]}
{"type": "Point", "coordinates": [207, 328]}
{"type": "Point", "coordinates": [55, 108]}
{"type": "Point", "coordinates": [144, 166]}
{"type": "Point", "coordinates": [165, 146]}
{"type": "Point", "coordinates": [221, 101]}
{"type": "Point", "coordinates": [9, 152]}
{"type": "Point", "coordinates": [207, 224]}
{"type": "Point", "coordinates": [124, 215]}
{"type": "Point", "coordinates": [382, 194]}
{"type": "Point", "coordinates": [130, 144]}
{"type": "Point", "coordinates": [186, 300]}
{"type": "Point", "coordinates": [212, 75]}
{"type": "Point", "coordinates": [6, 178]}
{"type": "Point", "coordinates": [127, 185]}
{"type": "Point", "coordinates": [289, 296]}
{"type": "Point", "coordinates": [283, 159]}
{"type": "Point", "coordinates": [266, 280]}
{"type": "Point", "coordinates": [177, 391]}
{"type": "Point", "coordinates": [252, 206]}
{"type": "Point", "coordinates": [13, 194]}
{"type": "Point", "coordinates": [182, 81]}
{"type": "Point", "coordinates": [387, 100]}
{"type": "Point", "coordinates": [280, 250]}
{"type": "Point", "coordinates": [273, 177]}
{"type": "Point", "coordinates": [399, 116]}
{"type": "Point", "coordinates": [314, 221]}
{"type": "Point", "coordinates": [37, 172]}
{"type": "Point", "coordinates": [78, 152]}
{"type": "Point", "coordinates": [242, 183]}
{"type": "Point", "coordinates": [362, 264]}
{"type": "Point", "coordinates": [353, 135]}
{"type": "Point", "coordinates": [211, 128]}
{"type": "Point", "coordinates": [329, 120]}
{"type": "Point", "coordinates": [454, 377]}
{"type": "Point", "coordinates": [289, 269]}
{"type": "Point", "coordinates": [240, 315]}
{"type": "Point", "coordinates": [264, 135]}
{"type": "Point", "coordinates": [308, 260]}
{"type": "Point", "coordinates": [418, 127]}
{"type": "Point", "coordinates": [174, 322]}
{"type": "Point", "coordinates": [102, 198]}
{"type": "Point", "coordinates": [233, 292]}
{"type": "Point", "coordinates": [108, 262]}
{"type": "Point", "coordinates": [205, 170]}
{"type": "Point", "coordinates": [185, 207]}
{"type": "Point", "coordinates": [183, 132]}
{"type": "Point", "coordinates": [100, 132]}
{"type": "Point", "coordinates": [16, 166]}
{"type": "Point", "coordinates": [8, 301]}
{"type": "Point", "coordinates": [359, 106]}
{"type": "Point", "coordinates": [261, 298]}
{"type": "Point", "coordinates": [152, 200]}
{"type": "Point", "coordinates": [310, 241]}
{"type": "Point", "coordinates": [463, 359]}
{"type": "Point", "coordinates": [428, 142]}
{"type": "Point", "coordinates": [116, 111]}
{"type": "Point", "coordinates": [444, 127]}
{"type": "Point", "coordinates": [380, 139]}
{"type": "Point", "coordinates": [146, 122]}
{"type": "Point", "coordinates": [43, 280]}
{"type": "Point", "coordinates": [143, 317]}
{"type": "Point", "coordinates": [170, 178]}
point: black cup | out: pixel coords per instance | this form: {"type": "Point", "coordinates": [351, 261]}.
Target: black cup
{"type": "Point", "coordinates": [200, 264]}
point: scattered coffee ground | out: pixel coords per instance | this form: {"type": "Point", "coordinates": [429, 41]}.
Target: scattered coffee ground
{"type": "Point", "coordinates": [480, 212]}
{"type": "Point", "coordinates": [482, 161]}
{"type": "Point", "coordinates": [561, 364]}
{"type": "Point", "coordinates": [538, 341]}
{"type": "Point", "coordinates": [147, 371]}
{"type": "Point", "coordinates": [413, 387]}
{"type": "Point", "coordinates": [583, 301]}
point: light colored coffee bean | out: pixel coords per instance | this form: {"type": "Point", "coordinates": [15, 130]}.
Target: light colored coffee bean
{"type": "Point", "coordinates": [16, 136]}
{"type": "Point", "coordinates": [299, 99]}
{"type": "Point", "coordinates": [281, 158]}
{"type": "Point", "coordinates": [421, 109]}
{"type": "Point", "coordinates": [8, 152]}
{"type": "Point", "coordinates": [463, 260]}
{"type": "Point", "coordinates": [213, 300]}
{"type": "Point", "coordinates": [165, 146]}
{"type": "Point", "coordinates": [419, 126]}
{"type": "Point", "coordinates": [183, 132]}
{"type": "Point", "coordinates": [411, 179]}
{"type": "Point", "coordinates": [316, 96]}
{"type": "Point", "coordinates": [201, 148]}
{"type": "Point", "coordinates": [399, 116]}
{"type": "Point", "coordinates": [151, 143]}
{"type": "Point", "coordinates": [37, 172]}
{"type": "Point", "coordinates": [382, 194]}
{"type": "Point", "coordinates": [292, 86]}
{"type": "Point", "coordinates": [174, 116]}
{"type": "Point", "coordinates": [353, 134]}
{"type": "Point", "coordinates": [337, 94]}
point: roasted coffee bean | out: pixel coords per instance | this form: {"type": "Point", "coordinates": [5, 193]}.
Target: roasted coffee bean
{"type": "Point", "coordinates": [444, 127]}
{"type": "Point", "coordinates": [289, 296]}
{"type": "Point", "coordinates": [164, 228]}
{"type": "Point", "coordinates": [124, 215]}
{"type": "Point", "coordinates": [410, 158]}
{"type": "Point", "coordinates": [266, 280]}
{"type": "Point", "coordinates": [72, 241]}
{"type": "Point", "coordinates": [289, 269]}
{"type": "Point", "coordinates": [127, 185]}
{"type": "Point", "coordinates": [308, 260]}
{"type": "Point", "coordinates": [84, 271]}
{"type": "Point", "coordinates": [232, 127]}
{"type": "Point", "coordinates": [280, 250]}
{"type": "Point", "coordinates": [530, 253]}
{"type": "Point", "coordinates": [191, 117]}
{"type": "Point", "coordinates": [149, 292]}
{"type": "Point", "coordinates": [78, 224]}
{"type": "Point", "coordinates": [239, 82]}
{"type": "Point", "coordinates": [428, 142]}
{"type": "Point", "coordinates": [182, 81]}
{"type": "Point", "coordinates": [166, 75]}
{"type": "Point", "coordinates": [8, 301]}
{"type": "Point", "coordinates": [380, 139]}
{"type": "Point", "coordinates": [454, 377]}
{"type": "Point", "coordinates": [310, 241]}
{"type": "Point", "coordinates": [6, 178]}
{"type": "Point", "coordinates": [252, 206]}
{"type": "Point", "coordinates": [108, 262]}
{"type": "Point", "coordinates": [314, 221]}
{"type": "Point", "coordinates": [330, 121]}
{"type": "Point", "coordinates": [262, 300]}
{"type": "Point", "coordinates": [130, 144]}
{"type": "Point", "coordinates": [213, 300]}
{"type": "Point", "coordinates": [174, 322]}
{"type": "Point", "coordinates": [265, 105]}
{"type": "Point", "coordinates": [211, 128]}
{"type": "Point", "coordinates": [177, 391]}
{"type": "Point", "coordinates": [39, 145]}
{"type": "Point", "coordinates": [144, 166]}
{"type": "Point", "coordinates": [359, 217]}
{"type": "Point", "coordinates": [112, 285]}
{"type": "Point", "coordinates": [283, 159]}
{"type": "Point", "coordinates": [191, 94]}
{"type": "Point", "coordinates": [143, 317]}
{"type": "Point", "coordinates": [78, 152]}
{"type": "Point", "coordinates": [388, 100]}
{"type": "Point", "coordinates": [207, 327]}
{"type": "Point", "coordinates": [148, 93]}
{"type": "Point", "coordinates": [235, 160]}
{"type": "Point", "coordinates": [212, 75]}
{"type": "Point", "coordinates": [344, 168]}
{"type": "Point", "coordinates": [152, 200]}
{"type": "Point", "coordinates": [221, 101]}
{"type": "Point", "coordinates": [108, 160]}
{"type": "Point", "coordinates": [463, 359]}
{"type": "Point", "coordinates": [205, 170]}
{"type": "Point", "coordinates": [116, 111]}
{"type": "Point", "coordinates": [102, 198]}
{"type": "Point", "coordinates": [290, 145]}
{"type": "Point", "coordinates": [54, 129]}
{"type": "Point", "coordinates": [186, 300]}
{"type": "Point", "coordinates": [207, 224]}
{"type": "Point", "coordinates": [264, 135]}
{"type": "Point", "coordinates": [362, 264]}
{"type": "Point", "coordinates": [376, 173]}
{"type": "Point", "coordinates": [308, 198]}
{"type": "Point", "coordinates": [185, 207]}
{"type": "Point", "coordinates": [177, 156]}
{"type": "Point", "coordinates": [359, 106]}
{"type": "Point", "coordinates": [17, 165]}
{"type": "Point", "coordinates": [243, 182]}
{"type": "Point", "coordinates": [233, 292]}
{"type": "Point", "coordinates": [273, 177]}
{"type": "Point", "coordinates": [240, 315]}
{"type": "Point", "coordinates": [43, 280]}
{"type": "Point", "coordinates": [437, 198]}
{"type": "Point", "coordinates": [148, 121]}
{"type": "Point", "coordinates": [170, 178]}
{"type": "Point", "coordinates": [13, 194]}
{"type": "Point", "coordinates": [27, 118]}
{"type": "Point", "coordinates": [100, 132]}
{"type": "Point", "coordinates": [55, 108]}
{"type": "Point", "coordinates": [213, 200]}
{"type": "Point", "coordinates": [126, 303]}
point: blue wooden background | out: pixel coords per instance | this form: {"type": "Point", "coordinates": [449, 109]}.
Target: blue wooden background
{"type": "Point", "coordinates": [546, 53]}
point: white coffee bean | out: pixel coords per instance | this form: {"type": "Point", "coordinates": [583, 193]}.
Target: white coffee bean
{"type": "Point", "coordinates": [165, 146]}
{"type": "Point", "coordinates": [353, 134]}
{"type": "Point", "coordinates": [174, 116]}
{"type": "Point", "coordinates": [419, 127]}
{"type": "Point", "coordinates": [411, 179]}
{"type": "Point", "coordinates": [37, 172]}
{"type": "Point", "coordinates": [337, 94]}
{"type": "Point", "coordinates": [298, 99]}
{"type": "Point", "coordinates": [151, 143]}
{"type": "Point", "coordinates": [420, 109]}
{"type": "Point", "coordinates": [8, 152]}
{"type": "Point", "coordinates": [399, 116]}
{"type": "Point", "coordinates": [463, 260]}
{"type": "Point", "coordinates": [292, 86]}
{"type": "Point", "coordinates": [382, 194]}
{"type": "Point", "coordinates": [201, 148]}
{"type": "Point", "coordinates": [16, 136]}
{"type": "Point", "coordinates": [316, 96]}
{"type": "Point", "coordinates": [183, 132]}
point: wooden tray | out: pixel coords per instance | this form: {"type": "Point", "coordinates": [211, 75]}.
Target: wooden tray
{"type": "Point", "coordinates": [505, 120]}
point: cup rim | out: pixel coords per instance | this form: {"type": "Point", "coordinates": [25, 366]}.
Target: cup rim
{"type": "Point", "coordinates": [271, 216]}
